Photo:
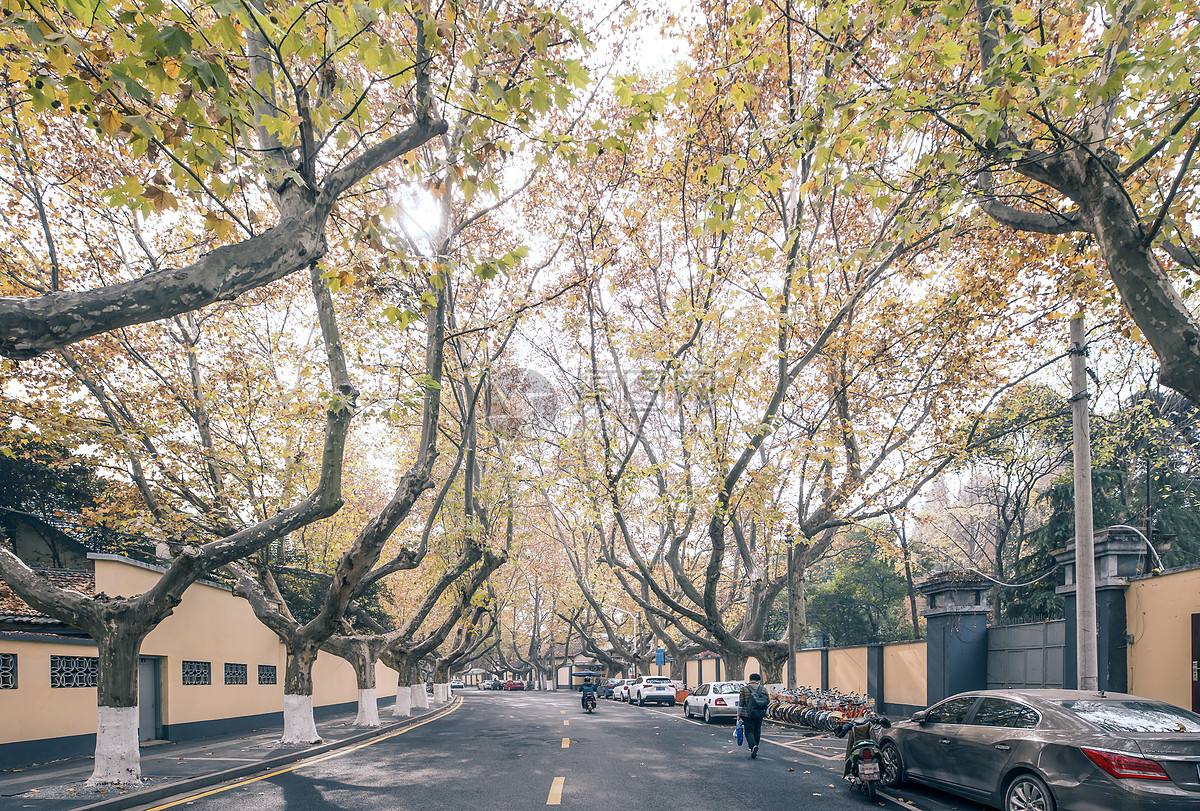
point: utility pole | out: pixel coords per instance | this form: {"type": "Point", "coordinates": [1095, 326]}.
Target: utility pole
{"type": "Point", "coordinates": [1087, 665]}
{"type": "Point", "coordinates": [791, 615]}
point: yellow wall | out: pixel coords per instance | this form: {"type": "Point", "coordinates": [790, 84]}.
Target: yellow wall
{"type": "Point", "coordinates": [808, 668]}
{"type": "Point", "coordinates": [25, 712]}
{"type": "Point", "coordinates": [848, 670]}
{"type": "Point", "coordinates": [209, 625]}
{"type": "Point", "coordinates": [905, 678]}
{"type": "Point", "coordinates": [693, 673]}
{"type": "Point", "coordinates": [1159, 617]}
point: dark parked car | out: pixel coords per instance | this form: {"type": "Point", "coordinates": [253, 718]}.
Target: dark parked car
{"type": "Point", "coordinates": [606, 690]}
{"type": "Point", "coordinates": [1045, 750]}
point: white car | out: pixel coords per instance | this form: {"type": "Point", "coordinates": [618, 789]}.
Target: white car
{"type": "Point", "coordinates": [652, 690]}
{"type": "Point", "coordinates": [457, 684]}
{"type": "Point", "coordinates": [716, 699]}
{"type": "Point", "coordinates": [621, 689]}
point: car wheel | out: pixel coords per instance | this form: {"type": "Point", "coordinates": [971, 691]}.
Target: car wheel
{"type": "Point", "coordinates": [1027, 792]}
{"type": "Point", "coordinates": [670, 703]}
{"type": "Point", "coordinates": [892, 773]}
{"type": "Point", "coordinates": [641, 701]}
{"type": "Point", "coordinates": [707, 716]}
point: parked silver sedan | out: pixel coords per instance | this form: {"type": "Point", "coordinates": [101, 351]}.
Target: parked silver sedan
{"type": "Point", "coordinates": [717, 699]}
{"type": "Point", "coordinates": [1045, 750]}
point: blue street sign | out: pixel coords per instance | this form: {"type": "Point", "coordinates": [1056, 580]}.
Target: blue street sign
{"type": "Point", "coordinates": [660, 657]}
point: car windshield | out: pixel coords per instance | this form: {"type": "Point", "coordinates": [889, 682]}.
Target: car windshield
{"type": "Point", "coordinates": [658, 681]}
{"type": "Point", "coordinates": [1134, 716]}
{"type": "Point", "coordinates": [727, 688]}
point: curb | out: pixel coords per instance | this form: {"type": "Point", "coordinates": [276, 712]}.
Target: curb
{"type": "Point", "coordinates": [213, 778]}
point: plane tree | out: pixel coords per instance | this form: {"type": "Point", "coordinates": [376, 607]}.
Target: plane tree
{"type": "Point", "coordinates": [259, 116]}
{"type": "Point", "coordinates": [802, 339]}
{"type": "Point", "coordinates": [1078, 123]}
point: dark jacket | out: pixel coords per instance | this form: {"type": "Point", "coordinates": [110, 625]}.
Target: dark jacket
{"type": "Point", "coordinates": [744, 699]}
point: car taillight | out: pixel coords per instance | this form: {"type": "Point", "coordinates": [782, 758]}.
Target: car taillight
{"type": "Point", "coordinates": [1126, 767]}
{"type": "Point", "coordinates": [720, 702]}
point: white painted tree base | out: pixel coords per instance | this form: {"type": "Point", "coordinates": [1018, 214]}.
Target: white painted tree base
{"type": "Point", "coordinates": [118, 761]}
{"type": "Point", "coordinates": [368, 709]}
{"type": "Point", "coordinates": [403, 706]}
{"type": "Point", "coordinates": [299, 725]}
{"type": "Point", "coordinates": [420, 698]}
{"type": "Point", "coordinates": [441, 693]}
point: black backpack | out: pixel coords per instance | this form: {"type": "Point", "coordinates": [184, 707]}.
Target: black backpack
{"type": "Point", "coordinates": [759, 702]}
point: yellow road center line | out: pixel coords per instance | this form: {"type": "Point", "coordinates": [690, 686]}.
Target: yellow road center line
{"type": "Point", "coordinates": [556, 788]}
{"type": "Point", "coordinates": [312, 761]}
{"type": "Point", "coordinates": [566, 743]}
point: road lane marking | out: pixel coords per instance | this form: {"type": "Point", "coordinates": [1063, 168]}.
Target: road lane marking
{"type": "Point", "coordinates": [556, 789]}
{"type": "Point", "coordinates": [566, 743]}
{"type": "Point", "coordinates": [566, 722]}
{"type": "Point", "coordinates": [905, 803]}
{"type": "Point", "coordinates": [437, 716]}
{"type": "Point", "coordinates": [796, 747]}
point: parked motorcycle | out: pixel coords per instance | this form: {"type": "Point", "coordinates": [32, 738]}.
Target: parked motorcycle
{"type": "Point", "coordinates": [863, 765]}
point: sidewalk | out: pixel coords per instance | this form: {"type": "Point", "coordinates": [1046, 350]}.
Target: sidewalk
{"type": "Point", "coordinates": [60, 784]}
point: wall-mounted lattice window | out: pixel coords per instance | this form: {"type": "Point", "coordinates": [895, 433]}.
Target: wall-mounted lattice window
{"type": "Point", "coordinates": [73, 671]}
{"type": "Point", "coordinates": [8, 671]}
{"type": "Point", "coordinates": [267, 674]}
{"type": "Point", "coordinates": [235, 674]}
{"type": "Point", "coordinates": [197, 672]}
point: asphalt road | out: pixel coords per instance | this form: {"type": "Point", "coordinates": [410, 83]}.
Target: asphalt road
{"type": "Point", "coordinates": [531, 750]}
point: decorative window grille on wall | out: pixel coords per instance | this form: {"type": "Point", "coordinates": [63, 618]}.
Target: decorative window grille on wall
{"type": "Point", "coordinates": [197, 673]}
{"type": "Point", "coordinates": [267, 674]}
{"type": "Point", "coordinates": [234, 673]}
{"type": "Point", "coordinates": [74, 671]}
{"type": "Point", "coordinates": [8, 671]}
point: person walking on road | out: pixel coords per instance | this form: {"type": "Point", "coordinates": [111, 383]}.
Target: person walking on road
{"type": "Point", "coordinates": [752, 709]}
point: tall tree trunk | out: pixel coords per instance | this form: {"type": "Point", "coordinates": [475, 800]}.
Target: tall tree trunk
{"type": "Point", "coordinates": [404, 680]}
{"type": "Point", "coordinates": [118, 760]}
{"type": "Point", "coordinates": [368, 699]}
{"type": "Point", "coordinates": [733, 666]}
{"type": "Point", "coordinates": [420, 697]}
{"type": "Point", "coordinates": [299, 725]}
{"type": "Point", "coordinates": [772, 666]}
{"type": "Point", "coordinates": [911, 586]}
{"type": "Point", "coordinates": [441, 682]}
{"type": "Point", "coordinates": [797, 605]}
{"type": "Point", "coordinates": [678, 668]}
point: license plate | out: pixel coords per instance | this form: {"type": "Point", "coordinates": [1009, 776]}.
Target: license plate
{"type": "Point", "coordinates": [868, 771]}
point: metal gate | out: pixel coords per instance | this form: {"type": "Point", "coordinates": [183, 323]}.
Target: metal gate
{"type": "Point", "coordinates": [1027, 655]}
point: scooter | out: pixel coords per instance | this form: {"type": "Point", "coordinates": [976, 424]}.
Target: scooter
{"type": "Point", "coordinates": [589, 702]}
{"type": "Point", "coordinates": [863, 765]}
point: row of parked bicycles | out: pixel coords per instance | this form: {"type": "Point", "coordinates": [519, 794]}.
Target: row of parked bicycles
{"type": "Point", "coordinates": [823, 710]}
